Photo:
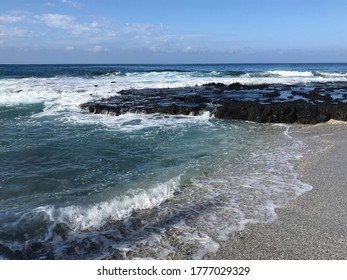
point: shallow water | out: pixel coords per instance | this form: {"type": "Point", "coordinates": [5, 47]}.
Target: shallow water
{"type": "Point", "coordinates": [74, 185]}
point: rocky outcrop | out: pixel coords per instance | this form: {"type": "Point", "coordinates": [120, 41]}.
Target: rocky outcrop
{"type": "Point", "coordinates": [258, 103]}
{"type": "Point", "coordinates": [182, 101]}
{"type": "Point", "coordinates": [286, 112]}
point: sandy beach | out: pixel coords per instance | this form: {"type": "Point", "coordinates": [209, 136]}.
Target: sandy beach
{"type": "Point", "coordinates": [313, 226]}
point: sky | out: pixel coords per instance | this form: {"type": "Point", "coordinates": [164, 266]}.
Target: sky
{"type": "Point", "coordinates": [173, 31]}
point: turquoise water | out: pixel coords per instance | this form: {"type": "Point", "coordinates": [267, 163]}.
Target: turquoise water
{"type": "Point", "coordinates": [79, 186]}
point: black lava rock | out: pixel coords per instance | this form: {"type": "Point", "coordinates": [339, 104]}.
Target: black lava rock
{"type": "Point", "coordinates": [225, 102]}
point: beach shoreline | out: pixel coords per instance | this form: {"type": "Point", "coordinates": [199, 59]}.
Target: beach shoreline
{"type": "Point", "coordinates": [314, 225]}
{"type": "Point", "coordinates": [173, 169]}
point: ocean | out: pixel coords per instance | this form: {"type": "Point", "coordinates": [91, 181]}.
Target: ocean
{"type": "Point", "coordinates": [75, 185]}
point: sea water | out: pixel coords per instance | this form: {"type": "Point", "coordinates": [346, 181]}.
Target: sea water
{"type": "Point", "coordinates": [75, 185]}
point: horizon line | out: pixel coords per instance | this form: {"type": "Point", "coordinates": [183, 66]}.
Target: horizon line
{"type": "Point", "coordinates": [201, 63]}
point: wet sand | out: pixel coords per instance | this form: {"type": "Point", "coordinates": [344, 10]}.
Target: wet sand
{"type": "Point", "coordinates": [313, 226]}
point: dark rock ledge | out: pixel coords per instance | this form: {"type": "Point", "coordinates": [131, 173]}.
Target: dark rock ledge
{"type": "Point", "coordinates": [299, 111]}
{"type": "Point", "coordinates": [258, 103]}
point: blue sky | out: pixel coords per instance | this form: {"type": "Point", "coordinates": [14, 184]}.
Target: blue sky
{"type": "Point", "coordinates": [173, 31]}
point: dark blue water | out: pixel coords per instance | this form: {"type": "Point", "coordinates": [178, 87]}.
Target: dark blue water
{"type": "Point", "coordinates": [79, 186]}
{"type": "Point", "coordinates": [237, 70]}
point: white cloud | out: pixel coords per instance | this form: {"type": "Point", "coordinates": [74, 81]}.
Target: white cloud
{"type": "Point", "coordinates": [143, 29]}
{"type": "Point", "coordinates": [71, 3]}
{"type": "Point", "coordinates": [153, 37]}
{"type": "Point", "coordinates": [57, 21]}
{"type": "Point", "coordinates": [50, 4]}
{"type": "Point", "coordinates": [94, 24]}
{"type": "Point", "coordinates": [13, 32]}
{"type": "Point", "coordinates": [169, 38]}
{"type": "Point", "coordinates": [96, 36]}
{"type": "Point", "coordinates": [66, 22]}
{"type": "Point", "coordinates": [14, 29]}
{"type": "Point", "coordinates": [112, 34]}
{"type": "Point", "coordinates": [97, 49]}
{"type": "Point", "coordinates": [9, 18]}
{"type": "Point", "coordinates": [188, 49]}
{"type": "Point", "coordinates": [69, 48]}
{"type": "Point", "coordinates": [161, 49]}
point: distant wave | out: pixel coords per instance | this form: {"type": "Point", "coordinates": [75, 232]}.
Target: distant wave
{"type": "Point", "coordinates": [222, 74]}
{"type": "Point", "coordinates": [297, 74]}
{"type": "Point", "coordinates": [179, 71]}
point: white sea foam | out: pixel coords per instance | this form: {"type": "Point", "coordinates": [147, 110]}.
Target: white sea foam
{"type": "Point", "coordinates": [250, 194]}
{"type": "Point", "coordinates": [95, 216]}
{"type": "Point", "coordinates": [332, 75]}
{"type": "Point", "coordinates": [135, 121]}
{"type": "Point", "coordinates": [230, 197]}
{"type": "Point", "coordinates": [64, 94]}
{"type": "Point", "coordinates": [287, 129]}
{"type": "Point", "coordinates": [292, 73]}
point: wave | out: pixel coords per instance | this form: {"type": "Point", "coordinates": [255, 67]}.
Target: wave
{"type": "Point", "coordinates": [222, 74]}
{"type": "Point", "coordinates": [50, 223]}
{"type": "Point", "coordinates": [291, 73]}
{"type": "Point", "coordinates": [179, 71]}
{"type": "Point", "coordinates": [95, 216]}
{"type": "Point", "coordinates": [154, 222]}
{"type": "Point", "coordinates": [296, 74]}
{"type": "Point", "coordinates": [279, 73]}
{"type": "Point", "coordinates": [62, 95]}
{"type": "Point", "coordinates": [330, 74]}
